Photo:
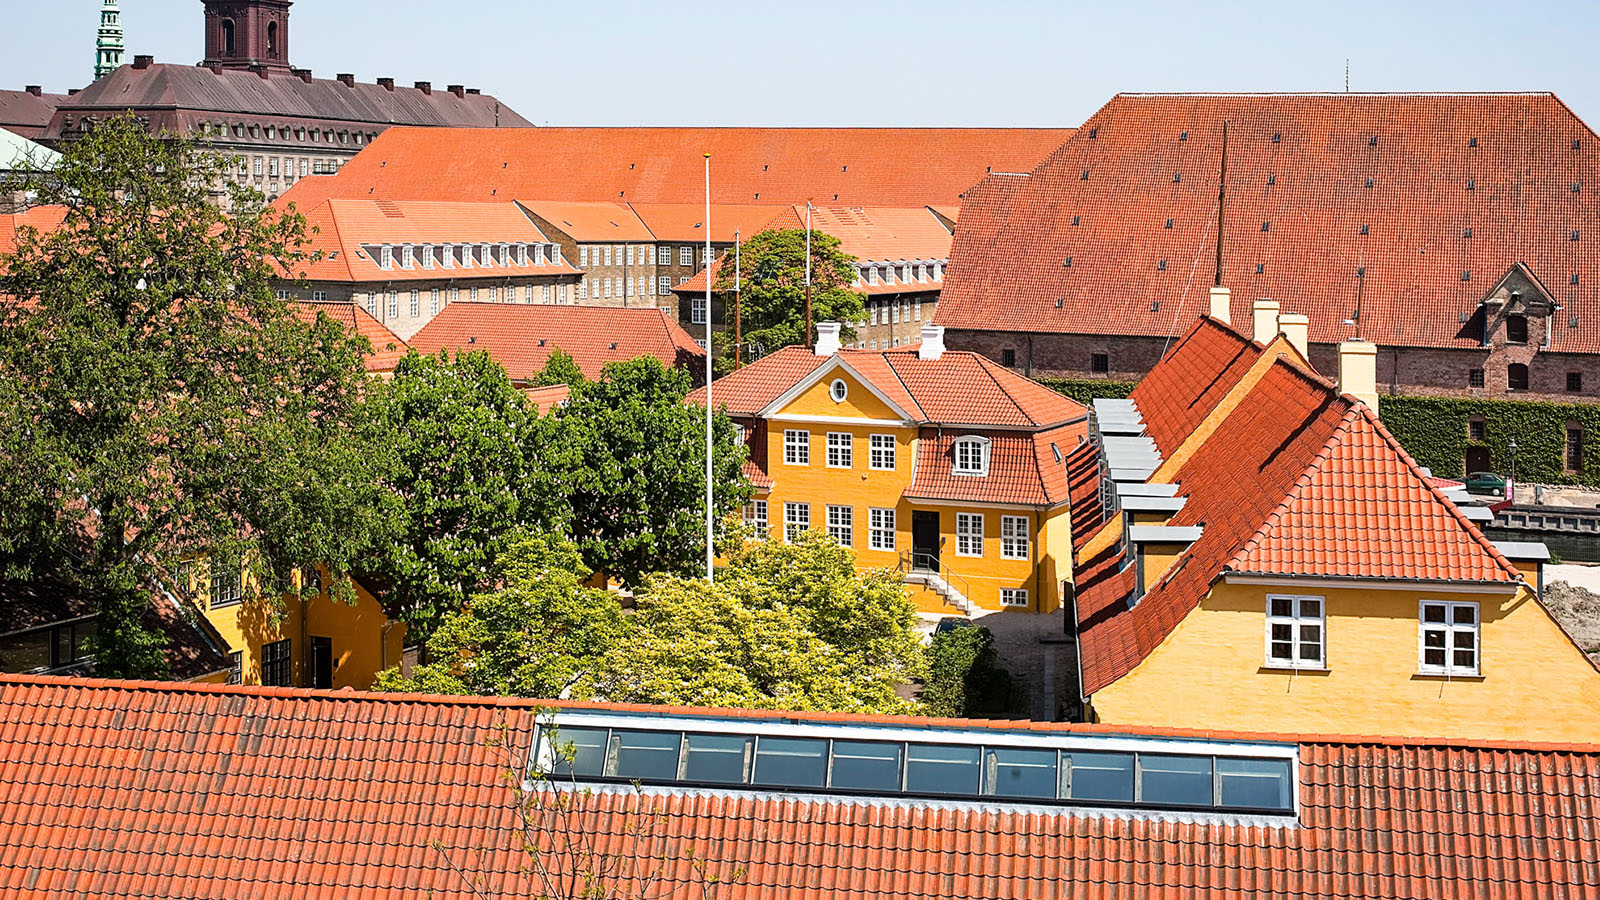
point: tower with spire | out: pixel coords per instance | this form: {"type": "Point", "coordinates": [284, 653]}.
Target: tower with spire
{"type": "Point", "coordinates": [108, 46]}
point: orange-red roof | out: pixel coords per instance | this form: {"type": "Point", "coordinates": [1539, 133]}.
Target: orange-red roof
{"type": "Point", "coordinates": [521, 337]}
{"type": "Point", "coordinates": [591, 221]}
{"type": "Point", "coordinates": [44, 218]}
{"type": "Point", "coordinates": [1024, 468]}
{"type": "Point", "coordinates": [118, 789]}
{"type": "Point", "coordinates": [387, 347]}
{"type": "Point", "coordinates": [1415, 203]}
{"type": "Point", "coordinates": [866, 166]}
{"type": "Point", "coordinates": [686, 221]}
{"type": "Point", "coordinates": [1194, 376]}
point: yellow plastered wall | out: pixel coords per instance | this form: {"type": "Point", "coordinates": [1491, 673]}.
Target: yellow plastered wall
{"type": "Point", "coordinates": [1210, 672]}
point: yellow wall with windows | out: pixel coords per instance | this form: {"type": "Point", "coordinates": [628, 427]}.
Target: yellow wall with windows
{"type": "Point", "coordinates": [1212, 672]}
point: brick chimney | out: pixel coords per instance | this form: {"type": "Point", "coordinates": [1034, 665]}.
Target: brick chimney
{"type": "Point", "coordinates": [426, 87]}
{"type": "Point", "coordinates": [142, 61]}
{"type": "Point", "coordinates": [34, 89]}
{"type": "Point", "coordinates": [260, 70]}
{"type": "Point", "coordinates": [1358, 371]}
{"type": "Point", "coordinates": [346, 79]}
{"type": "Point", "coordinates": [386, 83]}
{"type": "Point", "coordinates": [458, 90]}
{"type": "Point", "coordinates": [1221, 303]}
{"type": "Point", "coordinates": [474, 91]}
{"type": "Point", "coordinates": [1297, 329]}
{"type": "Point", "coordinates": [302, 74]}
{"type": "Point", "coordinates": [827, 339]}
{"type": "Point", "coordinates": [1266, 314]}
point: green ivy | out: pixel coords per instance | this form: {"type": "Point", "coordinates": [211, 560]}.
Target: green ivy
{"type": "Point", "coordinates": [1434, 430]}
{"type": "Point", "coordinates": [1088, 390]}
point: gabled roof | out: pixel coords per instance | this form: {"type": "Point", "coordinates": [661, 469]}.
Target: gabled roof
{"type": "Point", "coordinates": [1023, 468]}
{"type": "Point", "coordinates": [685, 222]}
{"type": "Point", "coordinates": [586, 222]}
{"type": "Point", "coordinates": [521, 337]}
{"type": "Point", "coordinates": [1461, 186]}
{"type": "Point", "coordinates": [387, 347]}
{"type": "Point", "coordinates": [117, 789]}
{"type": "Point", "coordinates": [1193, 377]}
{"type": "Point", "coordinates": [28, 113]}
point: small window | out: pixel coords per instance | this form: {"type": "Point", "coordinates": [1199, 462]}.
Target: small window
{"type": "Point", "coordinates": [1295, 632]}
{"type": "Point", "coordinates": [227, 583]}
{"type": "Point", "coordinates": [1254, 783]}
{"type": "Point", "coordinates": [841, 450]}
{"type": "Point", "coordinates": [971, 456]}
{"type": "Point", "coordinates": [755, 516]}
{"type": "Point", "coordinates": [1477, 429]}
{"type": "Point", "coordinates": [685, 256]}
{"type": "Point", "coordinates": [941, 769]}
{"type": "Point", "coordinates": [577, 751]}
{"type": "Point", "coordinates": [1015, 597]}
{"type": "Point", "coordinates": [1100, 363]}
{"type": "Point", "coordinates": [643, 755]}
{"type": "Point", "coordinates": [796, 520]}
{"type": "Point", "coordinates": [838, 390]}
{"type": "Point", "coordinates": [1516, 377]}
{"type": "Point", "coordinates": [1574, 448]}
{"type": "Point", "coordinates": [1015, 542]}
{"type": "Point", "coordinates": [1516, 329]}
{"type": "Point", "coordinates": [1019, 773]}
{"type": "Point", "coordinates": [841, 525]}
{"type": "Point", "coordinates": [1574, 382]}
{"type": "Point", "coordinates": [1475, 378]}
{"type": "Point", "coordinates": [881, 452]}
{"type": "Point", "coordinates": [1008, 358]}
{"type": "Point", "coordinates": [1447, 640]}
{"type": "Point", "coordinates": [881, 527]}
{"type": "Point", "coordinates": [1175, 780]}
{"type": "Point", "coordinates": [697, 308]}
{"type": "Point", "coordinates": [275, 664]}
{"type": "Point", "coordinates": [236, 667]}
{"type": "Point", "coordinates": [969, 534]}
{"type": "Point", "coordinates": [797, 448]}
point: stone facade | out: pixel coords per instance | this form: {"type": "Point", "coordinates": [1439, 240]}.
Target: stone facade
{"type": "Point", "coordinates": [405, 307]}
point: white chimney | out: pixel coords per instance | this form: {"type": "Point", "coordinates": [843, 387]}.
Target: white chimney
{"type": "Point", "coordinates": [1358, 371]}
{"type": "Point", "coordinates": [1221, 301]}
{"type": "Point", "coordinates": [1266, 321]}
{"type": "Point", "coordinates": [932, 342]}
{"type": "Point", "coordinates": [827, 339]}
{"type": "Point", "coordinates": [1297, 329]}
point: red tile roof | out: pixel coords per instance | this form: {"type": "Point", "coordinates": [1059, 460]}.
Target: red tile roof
{"type": "Point", "coordinates": [118, 789]}
{"type": "Point", "coordinates": [387, 347]}
{"type": "Point", "coordinates": [591, 222]}
{"type": "Point", "coordinates": [1518, 170]}
{"type": "Point", "coordinates": [686, 221]}
{"type": "Point", "coordinates": [1023, 469]}
{"type": "Point", "coordinates": [1192, 378]}
{"type": "Point", "coordinates": [865, 166]}
{"type": "Point", "coordinates": [44, 218]}
{"type": "Point", "coordinates": [521, 337]}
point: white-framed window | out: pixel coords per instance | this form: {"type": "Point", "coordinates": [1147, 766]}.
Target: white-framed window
{"type": "Point", "coordinates": [917, 311]}
{"type": "Point", "coordinates": [652, 255]}
{"type": "Point", "coordinates": [1014, 540]}
{"type": "Point", "coordinates": [472, 294]}
{"type": "Point", "coordinates": [583, 289]}
{"type": "Point", "coordinates": [841, 525]}
{"type": "Point", "coordinates": [880, 525]}
{"type": "Point", "coordinates": [583, 257]}
{"type": "Point", "coordinates": [755, 516]}
{"type": "Point", "coordinates": [1447, 637]}
{"type": "Point", "coordinates": [372, 304]}
{"type": "Point", "coordinates": [841, 450]}
{"type": "Point", "coordinates": [319, 296]}
{"type": "Point", "coordinates": [545, 294]}
{"type": "Point", "coordinates": [433, 302]}
{"type": "Point", "coordinates": [685, 256]}
{"type": "Point", "coordinates": [1013, 596]}
{"type": "Point", "coordinates": [455, 295]}
{"type": "Point", "coordinates": [664, 287]}
{"type": "Point", "coordinates": [881, 452]}
{"type": "Point", "coordinates": [608, 288]}
{"type": "Point", "coordinates": [283, 294]}
{"type": "Point", "coordinates": [1296, 632]}
{"type": "Point", "coordinates": [797, 448]}
{"type": "Point", "coordinates": [969, 534]}
{"type": "Point", "coordinates": [494, 295]}
{"type": "Point", "coordinates": [607, 252]}
{"type": "Point", "coordinates": [629, 254]}
{"type": "Point", "coordinates": [386, 257]}
{"type": "Point", "coordinates": [416, 304]}
{"type": "Point", "coordinates": [697, 310]}
{"type": "Point", "coordinates": [394, 304]}
{"type": "Point", "coordinates": [796, 520]}
{"type": "Point", "coordinates": [971, 455]}
{"type": "Point", "coordinates": [874, 314]}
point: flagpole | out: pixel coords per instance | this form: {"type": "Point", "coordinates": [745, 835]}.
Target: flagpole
{"type": "Point", "coordinates": [711, 509]}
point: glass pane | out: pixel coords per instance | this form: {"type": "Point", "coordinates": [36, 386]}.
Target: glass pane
{"type": "Point", "coordinates": [1433, 657]}
{"type": "Point", "coordinates": [1282, 606]}
{"type": "Point", "coordinates": [940, 769]}
{"type": "Point", "coordinates": [1020, 773]}
{"type": "Point", "coordinates": [1282, 650]}
{"type": "Point", "coordinates": [1097, 776]}
{"type": "Point", "coordinates": [1311, 652]}
{"type": "Point", "coordinates": [1465, 639]}
{"type": "Point", "coordinates": [1433, 638]}
{"type": "Point", "coordinates": [579, 751]}
{"type": "Point", "coordinates": [63, 646]}
{"type": "Point", "coordinates": [791, 762]}
{"type": "Point", "coordinates": [1311, 609]}
{"type": "Point", "coordinates": [1311, 633]}
{"type": "Point", "coordinates": [25, 652]}
{"type": "Point", "coordinates": [716, 758]}
{"type": "Point", "coordinates": [1255, 783]}
{"type": "Point", "coordinates": [645, 755]}
{"type": "Point", "coordinates": [83, 635]}
{"type": "Point", "coordinates": [1175, 779]}
{"type": "Point", "coordinates": [866, 766]}
{"type": "Point", "coordinates": [1282, 631]}
{"type": "Point", "coordinates": [1465, 659]}
{"type": "Point", "coordinates": [1433, 612]}
{"type": "Point", "coordinates": [1465, 615]}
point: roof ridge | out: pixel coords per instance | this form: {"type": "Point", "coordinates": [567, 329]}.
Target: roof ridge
{"type": "Point", "coordinates": [903, 386]}
{"type": "Point", "coordinates": [986, 365]}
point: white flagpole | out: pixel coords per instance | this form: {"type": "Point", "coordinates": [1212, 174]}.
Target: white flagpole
{"type": "Point", "coordinates": [808, 272]}
{"type": "Point", "coordinates": [711, 510]}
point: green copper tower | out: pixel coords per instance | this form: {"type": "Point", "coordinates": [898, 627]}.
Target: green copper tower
{"type": "Point", "coordinates": [109, 46]}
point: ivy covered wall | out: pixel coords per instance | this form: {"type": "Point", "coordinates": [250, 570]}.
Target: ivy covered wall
{"type": "Point", "coordinates": [1087, 390]}
{"type": "Point", "coordinates": [1436, 432]}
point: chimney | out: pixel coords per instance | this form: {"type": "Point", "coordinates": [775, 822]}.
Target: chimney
{"type": "Point", "coordinates": [142, 61]}
{"type": "Point", "coordinates": [1358, 371]}
{"type": "Point", "coordinates": [474, 91]}
{"type": "Point", "coordinates": [73, 92]}
{"type": "Point", "coordinates": [34, 89]}
{"type": "Point", "coordinates": [260, 70]}
{"type": "Point", "coordinates": [1221, 301]}
{"type": "Point", "coordinates": [303, 74]}
{"type": "Point", "coordinates": [1266, 321]}
{"type": "Point", "coordinates": [346, 79]}
{"type": "Point", "coordinates": [386, 83]}
{"type": "Point", "coordinates": [458, 90]}
{"type": "Point", "coordinates": [827, 339]}
{"type": "Point", "coordinates": [932, 346]}
{"type": "Point", "coordinates": [426, 87]}
{"type": "Point", "coordinates": [1297, 329]}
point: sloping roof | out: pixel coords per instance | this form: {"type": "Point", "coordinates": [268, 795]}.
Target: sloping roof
{"type": "Point", "coordinates": [16, 150]}
{"type": "Point", "coordinates": [1516, 172]}
{"type": "Point", "coordinates": [50, 599]}
{"type": "Point", "coordinates": [116, 789]}
{"type": "Point", "coordinates": [387, 347]}
{"type": "Point", "coordinates": [1192, 378]}
{"type": "Point", "coordinates": [865, 166]}
{"type": "Point", "coordinates": [1023, 468]}
{"type": "Point", "coordinates": [521, 337]}
{"type": "Point", "coordinates": [591, 221]}
{"type": "Point", "coordinates": [686, 221]}
{"type": "Point", "coordinates": [43, 218]}
{"type": "Point", "coordinates": [27, 113]}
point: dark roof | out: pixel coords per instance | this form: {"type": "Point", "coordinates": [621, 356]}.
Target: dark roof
{"type": "Point", "coordinates": [27, 113]}
{"type": "Point", "coordinates": [118, 789]}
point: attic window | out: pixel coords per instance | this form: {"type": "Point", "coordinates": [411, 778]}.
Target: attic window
{"type": "Point", "coordinates": [1576, 187]}
{"type": "Point", "coordinates": [1574, 234]}
{"type": "Point", "coordinates": [971, 456]}
{"type": "Point", "coordinates": [1261, 268]}
{"type": "Point", "coordinates": [1177, 177]}
{"type": "Point", "coordinates": [1155, 305]}
{"type": "Point", "coordinates": [1364, 229]}
{"type": "Point", "coordinates": [1361, 271]}
{"type": "Point", "coordinates": [1183, 136]}
{"type": "Point", "coordinates": [1085, 175]}
{"type": "Point", "coordinates": [1369, 182]}
{"type": "Point", "coordinates": [1067, 263]}
{"type": "Point", "coordinates": [1472, 184]}
{"type": "Point", "coordinates": [1573, 322]}
{"type": "Point", "coordinates": [1272, 179]}
{"type": "Point", "coordinates": [1472, 142]}
{"type": "Point", "coordinates": [1059, 301]}
{"type": "Point", "coordinates": [1169, 223]}
{"type": "Point", "coordinates": [1161, 266]}
{"type": "Point", "coordinates": [1576, 143]}
{"type": "Point", "coordinates": [1266, 226]}
{"type": "Point", "coordinates": [1466, 233]}
{"type": "Point", "coordinates": [1077, 220]}
{"type": "Point", "coordinates": [1466, 276]}
{"type": "Point", "coordinates": [1574, 277]}
{"type": "Point", "coordinates": [1277, 138]}
{"type": "Point", "coordinates": [1095, 131]}
{"type": "Point", "coordinates": [1372, 141]}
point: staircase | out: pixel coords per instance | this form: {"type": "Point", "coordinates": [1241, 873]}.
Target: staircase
{"type": "Point", "coordinates": [921, 569]}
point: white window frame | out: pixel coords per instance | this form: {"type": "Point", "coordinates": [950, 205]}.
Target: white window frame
{"type": "Point", "coordinates": [665, 286]}
{"type": "Point", "coordinates": [319, 296]}
{"type": "Point", "coordinates": [970, 444]}
{"type": "Point", "coordinates": [1450, 629]}
{"type": "Point", "coordinates": [755, 516]}
{"type": "Point", "coordinates": [882, 452]}
{"type": "Point", "coordinates": [685, 256]}
{"type": "Point", "coordinates": [583, 256]}
{"type": "Point", "coordinates": [1015, 541]}
{"type": "Point", "coordinates": [697, 310]}
{"type": "Point", "coordinates": [416, 304]}
{"type": "Point", "coordinates": [841, 450]}
{"type": "Point", "coordinates": [433, 304]}
{"type": "Point", "coordinates": [796, 520]}
{"type": "Point", "coordinates": [1014, 597]}
{"type": "Point", "coordinates": [966, 537]}
{"type": "Point", "coordinates": [796, 447]}
{"type": "Point", "coordinates": [1297, 621]}
{"type": "Point", "coordinates": [842, 524]}
{"type": "Point", "coordinates": [881, 529]}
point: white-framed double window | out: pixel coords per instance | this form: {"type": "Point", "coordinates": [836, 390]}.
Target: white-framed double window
{"type": "Point", "coordinates": [394, 304]}
{"type": "Point", "coordinates": [583, 257]}
{"type": "Point", "coordinates": [797, 448]}
{"type": "Point", "coordinates": [755, 516]}
{"type": "Point", "coordinates": [969, 534]}
{"type": "Point", "coordinates": [1013, 596]}
{"type": "Point", "coordinates": [880, 524]}
{"type": "Point", "coordinates": [841, 450]}
{"type": "Point", "coordinates": [841, 525]}
{"type": "Point", "coordinates": [1015, 542]}
{"type": "Point", "coordinates": [971, 456]}
{"type": "Point", "coordinates": [664, 285]}
{"type": "Point", "coordinates": [697, 310]}
{"type": "Point", "coordinates": [881, 450]}
{"type": "Point", "coordinates": [433, 302]}
{"type": "Point", "coordinates": [796, 520]}
{"type": "Point", "coordinates": [1448, 637]}
{"type": "Point", "coordinates": [1297, 632]}
{"type": "Point", "coordinates": [685, 256]}
{"type": "Point", "coordinates": [416, 304]}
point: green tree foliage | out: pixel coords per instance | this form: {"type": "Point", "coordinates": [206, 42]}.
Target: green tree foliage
{"type": "Point", "coordinates": [559, 368]}
{"type": "Point", "coordinates": [964, 676]}
{"type": "Point", "coordinates": [157, 401]}
{"type": "Point", "coordinates": [544, 634]}
{"type": "Point", "coordinates": [773, 287]}
{"type": "Point", "coordinates": [1088, 390]}
{"type": "Point", "coordinates": [460, 437]}
{"type": "Point", "coordinates": [630, 456]}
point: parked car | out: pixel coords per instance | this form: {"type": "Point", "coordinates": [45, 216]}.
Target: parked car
{"type": "Point", "coordinates": [1486, 483]}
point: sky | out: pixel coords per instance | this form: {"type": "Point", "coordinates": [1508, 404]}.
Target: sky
{"type": "Point", "coordinates": [868, 62]}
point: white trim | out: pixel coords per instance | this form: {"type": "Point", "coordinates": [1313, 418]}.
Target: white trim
{"type": "Point", "coordinates": [894, 452]}
{"type": "Point", "coordinates": [983, 444]}
{"type": "Point", "coordinates": [786, 433]}
{"type": "Point", "coordinates": [816, 375]}
{"type": "Point", "coordinates": [1295, 620]}
{"type": "Point", "coordinates": [847, 450]}
{"type": "Point", "coordinates": [982, 504]}
{"type": "Point", "coordinates": [841, 420]}
{"type": "Point", "coordinates": [1449, 669]}
{"type": "Point", "coordinates": [1324, 582]}
{"type": "Point", "coordinates": [983, 528]}
{"type": "Point", "coordinates": [1026, 537]}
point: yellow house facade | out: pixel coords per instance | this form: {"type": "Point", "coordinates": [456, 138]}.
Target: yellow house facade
{"type": "Point", "coordinates": [938, 464]}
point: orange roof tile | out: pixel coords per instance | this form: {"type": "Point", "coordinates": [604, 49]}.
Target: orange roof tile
{"type": "Point", "coordinates": [117, 789]}
{"type": "Point", "coordinates": [1192, 378]}
{"type": "Point", "coordinates": [686, 221]}
{"type": "Point", "coordinates": [387, 347]}
{"type": "Point", "coordinates": [1023, 467]}
{"type": "Point", "coordinates": [44, 218]}
{"type": "Point", "coordinates": [591, 222]}
{"type": "Point", "coordinates": [521, 337]}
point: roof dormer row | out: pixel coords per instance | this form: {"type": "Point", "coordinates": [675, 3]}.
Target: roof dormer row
{"type": "Point", "coordinates": [464, 255]}
{"type": "Point", "coordinates": [901, 271]}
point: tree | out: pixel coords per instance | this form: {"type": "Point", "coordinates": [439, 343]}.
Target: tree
{"type": "Point", "coordinates": [559, 368]}
{"type": "Point", "coordinates": [544, 634]}
{"type": "Point", "coordinates": [964, 676]}
{"type": "Point", "coordinates": [630, 457]}
{"type": "Point", "coordinates": [773, 292]}
{"type": "Point", "coordinates": [158, 402]}
{"type": "Point", "coordinates": [460, 430]}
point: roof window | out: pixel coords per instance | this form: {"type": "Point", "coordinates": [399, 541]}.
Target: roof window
{"type": "Point", "coordinates": [1261, 268]}
{"type": "Point", "coordinates": [1576, 187]}
{"type": "Point", "coordinates": [1364, 229]}
{"type": "Point", "coordinates": [1372, 141]}
{"type": "Point", "coordinates": [1177, 177]}
{"type": "Point", "coordinates": [1085, 175]}
{"type": "Point", "coordinates": [1472, 184]}
{"type": "Point", "coordinates": [1272, 179]}
{"type": "Point", "coordinates": [1574, 277]}
{"type": "Point", "coordinates": [1161, 265]}
{"type": "Point", "coordinates": [1472, 142]}
{"type": "Point", "coordinates": [1466, 275]}
{"type": "Point", "coordinates": [1277, 138]}
{"type": "Point", "coordinates": [1169, 223]}
{"type": "Point", "coordinates": [970, 455]}
{"type": "Point", "coordinates": [1183, 136]}
{"type": "Point", "coordinates": [1095, 131]}
{"type": "Point", "coordinates": [1574, 234]}
{"type": "Point", "coordinates": [1361, 271]}
{"type": "Point", "coordinates": [1466, 232]}
{"type": "Point", "coordinates": [1077, 220]}
{"type": "Point", "coordinates": [1067, 263]}
{"type": "Point", "coordinates": [1266, 226]}
{"type": "Point", "coordinates": [1369, 182]}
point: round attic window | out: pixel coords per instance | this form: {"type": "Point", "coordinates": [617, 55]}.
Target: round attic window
{"type": "Point", "coordinates": [838, 390]}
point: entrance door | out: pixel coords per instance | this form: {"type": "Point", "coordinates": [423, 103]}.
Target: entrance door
{"type": "Point", "coordinates": [925, 540]}
{"type": "Point", "coordinates": [1478, 460]}
{"type": "Point", "coordinates": [322, 662]}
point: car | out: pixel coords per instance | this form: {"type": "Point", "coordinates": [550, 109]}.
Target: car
{"type": "Point", "coordinates": [1486, 483]}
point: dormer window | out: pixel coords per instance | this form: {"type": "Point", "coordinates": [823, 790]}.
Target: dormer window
{"type": "Point", "coordinates": [505, 254]}
{"type": "Point", "coordinates": [427, 256]}
{"type": "Point", "coordinates": [538, 254]}
{"type": "Point", "coordinates": [555, 254]}
{"type": "Point", "coordinates": [971, 456]}
{"type": "Point", "coordinates": [407, 257]}
{"type": "Point", "coordinates": [485, 255]}
{"type": "Point", "coordinates": [872, 275]}
{"type": "Point", "coordinates": [938, 271]}
{"type": "Point", "coordinates": [386, 257]}
{"type": "Point", "coordinates": [447, 256]}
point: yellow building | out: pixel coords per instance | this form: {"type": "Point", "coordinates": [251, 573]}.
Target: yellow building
{"type": "Point", "coordinates": [941, 464]}
{"type": "Point", "coordinates": [1254, 551]}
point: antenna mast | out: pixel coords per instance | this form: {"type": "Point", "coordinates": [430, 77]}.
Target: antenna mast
{"type": "Point", "coordinates": [1222, 197]}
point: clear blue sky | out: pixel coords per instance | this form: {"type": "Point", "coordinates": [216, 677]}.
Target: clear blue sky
{"type": "Point", "coordinates": [868, 62]}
